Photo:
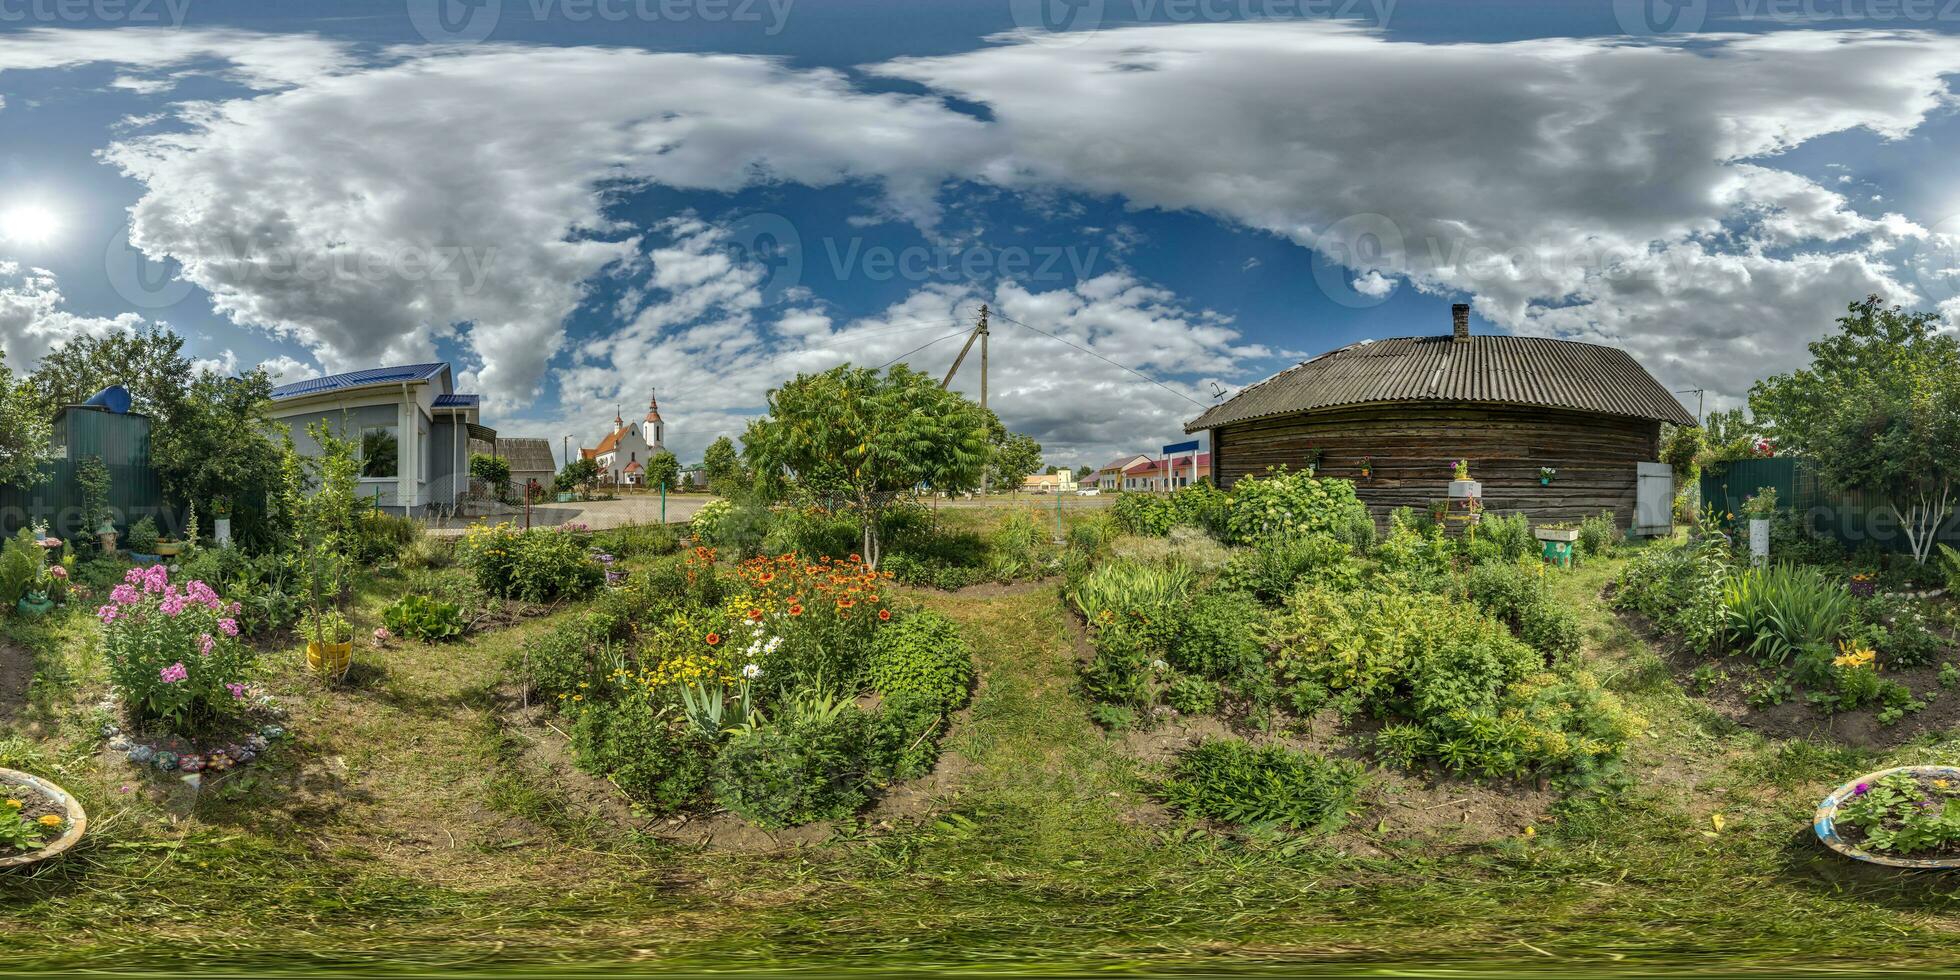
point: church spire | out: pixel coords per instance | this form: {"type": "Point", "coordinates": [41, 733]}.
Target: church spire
{"type": "Point", "coordinates": [653, 405]}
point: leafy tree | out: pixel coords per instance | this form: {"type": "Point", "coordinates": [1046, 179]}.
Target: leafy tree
{"type": "Point", "coordinates": [24, 430]}
{"type": "Point", "coordinates": [724, 467]}
{"type": "Point", "coordinates": [494, 470]}
{"type": "Point", "coordinates": [150, 363]}
{"type": "Point", "coordinates": [1879, 410]}
{"type": "Point", "coordinates": [1015, 458]}
{"type": "Point", "coordinates": [852, 436]}
{"type": "Point", "coordinates": [218, 447]}
{"type": "Point", "coordinates": [1084, 473]}
{"type": "Point", "coordinates": [1680, 445]}
{"type": "Point", "coordinates": [663, 470]}
{"type": "Point", "coordinates": [578, 473]}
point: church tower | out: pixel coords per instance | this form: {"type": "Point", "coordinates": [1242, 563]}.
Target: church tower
{"type": "Point", "coordinates": [655, 430]}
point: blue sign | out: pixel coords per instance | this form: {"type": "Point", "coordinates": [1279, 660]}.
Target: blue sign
{"type": "Point", "coordinates": [1182, 447]}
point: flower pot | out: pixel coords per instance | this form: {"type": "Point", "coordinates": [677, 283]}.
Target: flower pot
{"type": "Point", "coordinates": [1758, 540]}
{"type": "Point", "coordinates": [1466, 488]}
{"type": "Point", "coordinates": [221, 531]}
{"type": "Point", "coordinates": [330, 658]}
{"type": "Point", "coordinates": [1544, 481]}
{"type": "Point", "coordinates": [1825, 821]}
{"type": "Point", "coordinates": [170, 549]}
{"type": "Point", "coordinates": [1555, 533]}
{"type": "Point", "coordinates": [77, 818]}
{"type": "Point", "coordinates": [34, 605]}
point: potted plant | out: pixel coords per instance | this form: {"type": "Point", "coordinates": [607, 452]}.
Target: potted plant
{"type": "Point", "coordinates": [1558, 538]}
{"type": "Point", "coordinates": [221, 521]}
{"type": "Point", "coordinates": [329, 641]}
{"type": "Point", "coordinates": [143, 540]}
{"type": "Point", "coordinates": [1908, 817]}
{"type": "Point", "coordinates": [1758, 509]}
{"type": "Point", "coordinates": [1461, 486]}
{"type": "Point", "coordinates": [1367, 469]}
{"type": "Point", "coordinates": [38, 819]}
{"type": "Point", "coordinates": [1545, 475]}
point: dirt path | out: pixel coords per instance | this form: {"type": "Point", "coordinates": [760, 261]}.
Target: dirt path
{"type": "Point", "coordinates": [16, 673]}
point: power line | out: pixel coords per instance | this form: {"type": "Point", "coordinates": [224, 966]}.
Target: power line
{"type": "Point", "coordinates": [1099, 357]}
{"type": "Point", "coordinates": [915, 350]}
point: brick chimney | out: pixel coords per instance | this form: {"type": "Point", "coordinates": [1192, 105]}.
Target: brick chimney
{"type": "Point", "coordinates": [1460, 321]}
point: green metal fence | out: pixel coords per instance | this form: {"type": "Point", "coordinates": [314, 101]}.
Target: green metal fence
{"type": "Point", "coordinates": [1851, 518]}
{"type": "Point", "coordinates": [122, 442]}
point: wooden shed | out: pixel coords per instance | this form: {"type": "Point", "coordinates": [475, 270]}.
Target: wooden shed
{"type": "Point", "coordinates": [1395, 415]}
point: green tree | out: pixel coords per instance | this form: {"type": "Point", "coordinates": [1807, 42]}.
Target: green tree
{"type": "Point", "coordinates": [663, 470]}
{"type": "Point", "coordinates": [24, 430]}
{"type": "Point", "coordinates": [578, 473]}
{"type": "Point", "coordinates": [1680, 446]}
{"type": "Point", "coordinates": [724, 467]}
{"type": "Point", "coordinates": [1084, 473]}
{"type": "Point", "coordinates": [150, 363]}
{"type": "Point", "coordinates": [218, 447]}
{"type": "Point", "coordinates": [494, 470]}
{"type": "Point", "coordinates": [1879, 410]}
{"type": "Point", "coordinates": [1015, 458]}
{"type": "Point", "coordinates": [853, 436]}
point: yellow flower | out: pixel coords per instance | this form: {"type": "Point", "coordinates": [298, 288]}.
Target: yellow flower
{"type": "Point", "coordinates": [1851, 656]}
{"type": "Point", "coordinates": [50, 821]}
{"type": "Point", "coordinates": [13, 804]}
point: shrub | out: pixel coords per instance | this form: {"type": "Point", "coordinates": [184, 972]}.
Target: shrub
{"type": "Point", "coordinates": [1230, 780]}
{"type": "Point", "coordinates": [1355, 527]}
{"type": "Point", "coordinates": [637, 539]}
{"type": "Point", "coordinates": [813, 762]}
{"type": "Point", "coordinates": [813, 531]}
{"type": "Point", "coordinates": [173, 654]}
{"type": "Point", "coordinates": [143, 536]}
{"type": "Point", "coordinates": [1284, 505]}
{"type": "Point", "coordinates": [1270, 571]}
{"type": "Point", "coordinates": [645, 750]}
{"type": "Point", "coordinates": [1598, 534]}
{"type": "Point", "coordinates": [1204, 507]}
{"type": "Point", "coordinates": [566, 662]}
{"type": "Point", "coordinates": [422, 618]}
{"type": "Point", "coordinates": [738, 529]}
{"type": "Point", "coordinates": [1511, 533]}
{"type": "Point", "coordinates": [1897, 628]}
{"type": "Point", "coordinates": [921, 659]}
{"type": "Point", "coordinates": [426, 552]}
{"type": "Point", "coordinates": [1516, 593]}
{"type": "Point", "coordinates": [707, 520]}
{"type": "Point", "coordinates": [538, 565]}
{"type": "Point", "coordinates": [1192, 695]}
{"type": "Point", "coordinates": [380, 536]}
{"type": "Point", "coordinates": [1782, 610]}
{"type": "Point", "coordinates": [1148, 514]}
{"type": "Point", "coordinates": [22, 564]}
{"type": "Point", "coordinates": [1219, 637]}
{"type": "Point", "coordinates": [1681, 590]}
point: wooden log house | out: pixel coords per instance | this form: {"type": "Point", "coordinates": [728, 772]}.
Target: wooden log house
{"type": "Point", "coordinates": [1395, 415]}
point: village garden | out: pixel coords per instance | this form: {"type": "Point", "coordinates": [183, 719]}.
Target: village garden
{"type": "Point", "coordinates": [832, 726]}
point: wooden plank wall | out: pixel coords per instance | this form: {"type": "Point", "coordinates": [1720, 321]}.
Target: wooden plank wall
{"type": "Point", "coordinates": [1413, 446]}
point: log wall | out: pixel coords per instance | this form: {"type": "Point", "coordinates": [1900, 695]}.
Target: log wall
{"type": "Point", "coordinates": [1414, 445]}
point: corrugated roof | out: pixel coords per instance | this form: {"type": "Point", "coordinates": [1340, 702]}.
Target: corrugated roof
{"type": "Point", "coordinates": [458, 401]}
{"type": "Point", "coordinates": [356, 379]}
{"type": "Point", "coordinates": [527, 455]}
{"type": "Point", "coordinates": [1535, 371]}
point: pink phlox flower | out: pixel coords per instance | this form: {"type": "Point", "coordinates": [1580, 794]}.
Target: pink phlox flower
{"type": "Point", "coordinates": [156, 578]}
{"type": "Point", "coordinates": [205, 643]}
{"type": "Point", "coordinates": [228, 627]}
{"type": "Point", "coordinates": [175, 673]}
{"type": "Point", "coordinates": [173, 605]}
{"type": "Point", "coordinates": [133, 577]}
{"type": "Point", "coordinates": [107, 614]}
{"type": "Point", "coordinates": [125, 595]}
{"type": "Point", "coordinates": [237, 690]}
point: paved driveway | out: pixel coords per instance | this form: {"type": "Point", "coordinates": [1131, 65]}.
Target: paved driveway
{"type": "Point", "coordinates": [596, 514]}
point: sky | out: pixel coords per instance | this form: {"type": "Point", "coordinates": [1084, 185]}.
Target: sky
{"type": "Point", "coordinates": [1160, 201]}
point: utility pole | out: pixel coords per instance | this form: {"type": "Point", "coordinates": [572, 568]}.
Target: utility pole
{"type": "Point", "coordinates": [979, 333]}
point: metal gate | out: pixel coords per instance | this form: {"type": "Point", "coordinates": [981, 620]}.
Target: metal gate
{"type": "Point", "coordinates": [1653, 500]}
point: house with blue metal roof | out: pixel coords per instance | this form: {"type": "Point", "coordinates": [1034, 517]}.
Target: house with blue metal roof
{"type": "Point", "coordinates": [413, 428]}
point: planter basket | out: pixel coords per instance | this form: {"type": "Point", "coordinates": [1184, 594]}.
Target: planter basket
{"type": "Point", "coordinates": [1555, 533]}
{"type": "Point", "coordinates": [330, 658]}
{"type": "Point", "coordinates": [77, 818]}
{"type": "Point", "coordinates": [1825, 822]}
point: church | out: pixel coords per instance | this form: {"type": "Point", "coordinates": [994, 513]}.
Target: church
{"type": "Point", "coordinates": [622, 455]}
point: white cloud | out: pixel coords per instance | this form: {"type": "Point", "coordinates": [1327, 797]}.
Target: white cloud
{"type": "Point", "coordinates": [1373, 285]}
{"type": "Point", "coordinates": [32, 320]}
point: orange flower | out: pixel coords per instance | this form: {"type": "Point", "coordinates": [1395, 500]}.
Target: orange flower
{"type": "Point", "coordinates": [884, 615]}
{"type": "Point", "coordinates": [713, 638]}
{"type": "Point", "coordinates": [871, 598]}
{"type": "Point", "coordinates": [854, 557]}
{"type": "Point", "coordinates": [795, 610]}
{"type": "Point", "coordinates": [888, 574]}
{"type": "Point", "coordinates": [846, 603]}
{"type": "Point", "coordinates": [768, 577]}
{"type": "Point", "coordinates": [755, 614]}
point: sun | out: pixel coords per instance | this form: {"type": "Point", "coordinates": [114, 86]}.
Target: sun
{"type": "Point", "coordinates": [29, 224]}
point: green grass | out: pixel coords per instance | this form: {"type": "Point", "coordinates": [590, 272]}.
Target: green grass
{"type": "Point", "coordinates": [406, 829]}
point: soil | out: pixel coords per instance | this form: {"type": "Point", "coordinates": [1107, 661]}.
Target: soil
{"type": "Point", "coordinates": [35, 805]}
{"type": "Point", "coordinates": [16, 672]}
{"type": "Point", "coordinates": [1738, 677]}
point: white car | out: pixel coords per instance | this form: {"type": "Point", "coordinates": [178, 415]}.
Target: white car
{"type": "Point", "coordinates": [1088, 492]}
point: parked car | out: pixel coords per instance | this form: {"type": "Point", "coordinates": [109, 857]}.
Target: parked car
{"type": "Point", "coordinates": [1088, 491]}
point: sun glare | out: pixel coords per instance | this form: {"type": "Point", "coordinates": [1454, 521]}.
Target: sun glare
{"type": "Point", "coordinates": [28, 224]}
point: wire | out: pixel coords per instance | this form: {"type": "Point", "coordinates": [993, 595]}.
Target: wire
{"type": "Point", "coordinates": [1093, 354]}
{"type": "Point", "coordinates": [915, 350]}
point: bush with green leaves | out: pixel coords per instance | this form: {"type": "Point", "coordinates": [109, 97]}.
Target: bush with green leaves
{"type": "Point", "coordinates": [535, 565]}
{"type": "Point", "coordinates": [380, 536]}
{"type": "Point", "coordinates": [637, 540]}
{"type": "Point", "coordinates": [1135, 609]}
{"type": "Point", "coordinates": [1898, 628]}
{"type": "Point", "coordinates": [143, 536]}
{"type": "Point", "coordinates": [815, 760]}
{"type": "Point", "coordinates": [1270, 570]}
{"type": "Point", "coordinates": [707, 520]}
{"type": "Point", "coordinates": [1204, 507]}
{"type": "Point", "coordinates": [419, 617]}
{"type": "Point", "coordinates": [1511, 534]}
{"type": "Point", "coordinates": [1218, 637]}
{"type": "Point", "coordinates": [647, 750]}
{"type": "Point", "coordinates": [1233, 781]}
{"type": "Point", "coordinates": [1148, 514]}
{"type": "Point", "coordinates": [1780, 611]}
{"type": "Point", "coordinates": [1681, 590]}
{"type": "Point", "coordinates": [921, 658]}
{"type": "Point", "coordinates": [1517, 594]}
{"type": "Point", "coordinates": [1282, 505]}
{"type": "Point", "coordinates": [813, 532]}
{"type": "Point", "coordinates": [740, 529]}
{"type": "Point", "coordinates": [1598, 534]}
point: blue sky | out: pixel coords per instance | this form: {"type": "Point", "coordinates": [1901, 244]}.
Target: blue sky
{"type": "Point", "coordinates": [576, 200]}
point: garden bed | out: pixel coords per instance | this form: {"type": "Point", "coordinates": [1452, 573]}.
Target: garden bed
{"type": "Point", "coordinates": [37, 819]}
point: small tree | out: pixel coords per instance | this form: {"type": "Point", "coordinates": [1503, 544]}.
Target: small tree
{"type": "Point", "coordinates": [1015, 459]}
{"type": "Point", "coordinates": [494, 470]}
{"type": "Point", "coordinates": [663, 470]}
{"type": "Point", "coordinates": [723, 466]}
{"type": "Point", "coordinates": [577, 475]}
{"type": "Point", "coordinates": [24, 431]}
{"type": "Point", "coordinates": [1680, 445]}
{"type": "Point", "coordinates": [218, 446]}
{"type": "Point", "coordinates": [853, 436]}
{"type": "Point", "coordinates": [1879, 411]}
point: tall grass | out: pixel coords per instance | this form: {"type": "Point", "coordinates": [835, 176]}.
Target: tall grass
{"type": "Point", "coordinates": [1122, 586]}
{"type": "Point", "coordinates": [1781, 610]}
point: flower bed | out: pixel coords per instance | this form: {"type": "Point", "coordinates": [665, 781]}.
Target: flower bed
{"type": "Point", "coordinates": [37, 819]}
{"type": "Point", "coordinates": [1907, 817]}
